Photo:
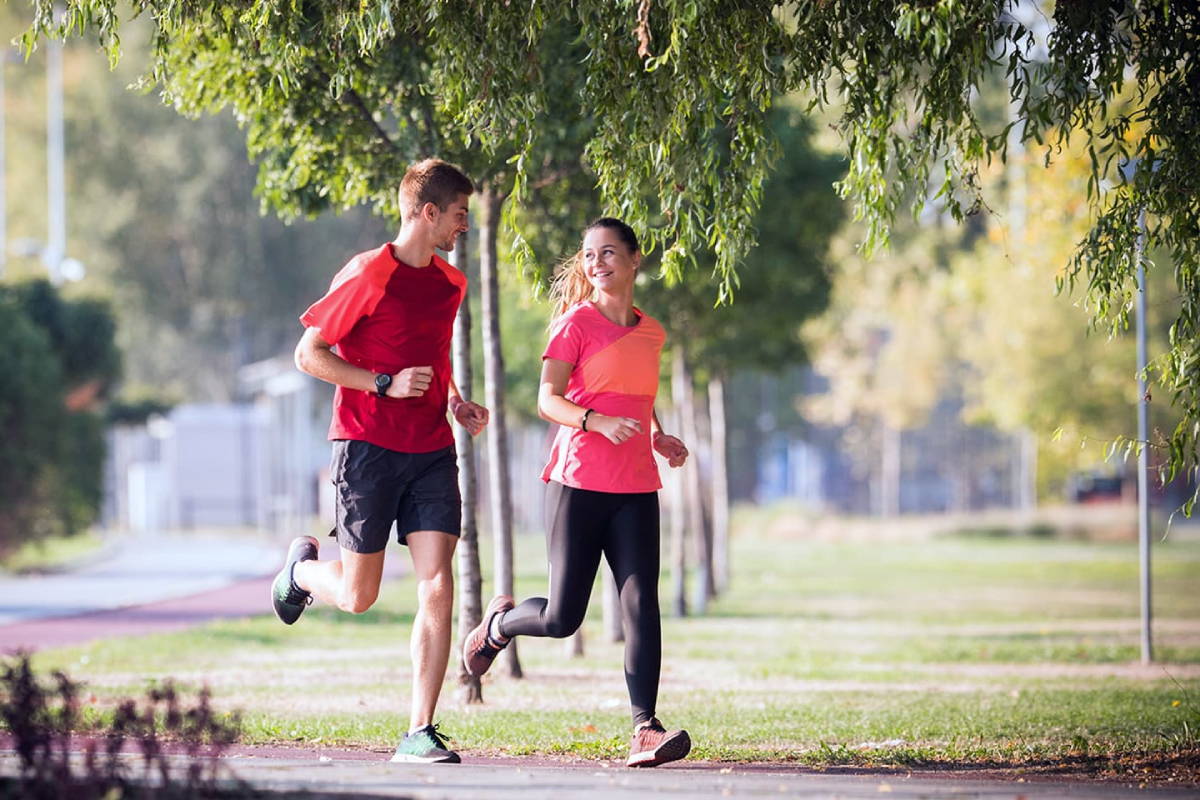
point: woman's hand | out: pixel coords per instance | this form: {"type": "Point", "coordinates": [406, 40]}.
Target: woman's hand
{"type": "Point", "coordinates": [615, 429]}
{"type": "Point", "coordinates": [471, 416]}
{"type": "Point", "coordinates": [670, 448]}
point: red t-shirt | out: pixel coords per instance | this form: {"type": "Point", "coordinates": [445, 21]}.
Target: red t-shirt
{"type": "Point", "coordinates": [385, 316]}
{"type": "Point", "coordinates": [615, 374]}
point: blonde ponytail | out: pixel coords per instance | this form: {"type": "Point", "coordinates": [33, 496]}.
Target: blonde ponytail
{"type": "Point", "coordinates": [569, 285]}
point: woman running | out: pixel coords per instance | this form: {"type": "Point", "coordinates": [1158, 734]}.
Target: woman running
{"type": "Point", "coordinates": [599, 381]}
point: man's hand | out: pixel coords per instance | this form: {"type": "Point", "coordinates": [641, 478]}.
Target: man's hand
{"type": "Point", "coordinates": [471, 416]}
{"type": "Point", "coordinates": [670, 448]}
{"type": "Point", "coordinates": [411, 382]}
{"type": "Point", "coordinates": [615, 429]}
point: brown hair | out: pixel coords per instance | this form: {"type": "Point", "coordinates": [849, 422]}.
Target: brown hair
{"type": "Point", "coordinates": [569, 284]}
{"type": "Point", "coordinates": [432, 181]}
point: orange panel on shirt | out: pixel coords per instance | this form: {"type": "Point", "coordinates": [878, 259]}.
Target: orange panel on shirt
{"type": "Point", "coordinates": [623, 366]}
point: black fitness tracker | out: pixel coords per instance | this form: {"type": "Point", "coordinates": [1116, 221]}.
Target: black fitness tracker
{"type": "Point", "coordinates": [583, 420]}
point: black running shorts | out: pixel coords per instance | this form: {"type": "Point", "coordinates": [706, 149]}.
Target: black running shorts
{"type": "Point", "coordinates": [375, 487]}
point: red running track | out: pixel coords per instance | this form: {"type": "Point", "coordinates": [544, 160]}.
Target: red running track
{"type": "Point", "coordinates": [242, 599]}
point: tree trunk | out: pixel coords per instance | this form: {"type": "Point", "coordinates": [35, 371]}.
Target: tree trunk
{"type": "Point", "coordinates": [679, 514]}
{"type": "Point", "coordinates": [470, 582]}
{"type": "Point", "coordinates": [889, 473]}
{"type": "Point", "coordinates": [702, 454]}
{"type": "Point", "coordinates": [573, 644]}
{"type": "Point", "coordinates": [612, 605]}
{"type": "Point", "coordinates": [1029, 460]}
{"type": "Point", "coordinates": [499, 480]}
{"type": "Point", "coordinates": [720, 482]}
{"type": "Point", "coordinates": [683, 388]}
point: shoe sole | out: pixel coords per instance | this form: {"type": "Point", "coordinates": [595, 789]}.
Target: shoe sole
{"type": "Point", "coordinates": [672, 748]}
{"type": "Point", "coordinates": [405, 758]}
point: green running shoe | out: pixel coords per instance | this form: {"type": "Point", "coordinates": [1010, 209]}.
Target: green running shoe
{"type": "Point", "coordinates": [289, 599]}
{"type": "Point", "coordinates": [425, 746]}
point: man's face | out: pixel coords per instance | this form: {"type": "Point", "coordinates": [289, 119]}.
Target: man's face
{"type": "Point", "coordinates": [450, 223]}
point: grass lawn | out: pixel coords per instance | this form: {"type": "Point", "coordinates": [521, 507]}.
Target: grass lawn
{"type": "Point", "coordinates": [48, 555]}
{"type": "Point", "coordinates": [927, 652]}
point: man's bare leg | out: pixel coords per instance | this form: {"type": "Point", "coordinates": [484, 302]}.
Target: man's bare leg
{"type": "Point", "coordinates": [432, 553]}
{"type": "Point", "coordinates": [351, 584]}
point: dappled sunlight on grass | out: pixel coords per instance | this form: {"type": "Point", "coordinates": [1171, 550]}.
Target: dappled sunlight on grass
{"type": "Point", "coordinates": [899, 652]}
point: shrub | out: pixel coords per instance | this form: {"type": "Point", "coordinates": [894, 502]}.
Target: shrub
{"type": "Point", "coordinates": [178, 744]}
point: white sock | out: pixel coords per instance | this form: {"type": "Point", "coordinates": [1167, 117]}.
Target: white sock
{"type": "Point", "coordinates": [494, 629]}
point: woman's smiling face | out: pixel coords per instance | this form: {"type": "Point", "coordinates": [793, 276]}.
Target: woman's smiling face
{"type": "Point", "coordinates": [608, 263]}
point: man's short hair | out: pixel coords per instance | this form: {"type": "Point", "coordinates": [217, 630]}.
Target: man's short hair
{"type": "Point", "coordinates": [432, 181]}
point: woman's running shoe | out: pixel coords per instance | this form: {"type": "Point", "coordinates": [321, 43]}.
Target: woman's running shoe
{"type": "Point", "coordinates": [652, 745]}
{"type": "Point", "coordinates": [288, 599]}
{"type": "Point", "coordinates": [481, 648]}
{"type": "Point", "coordinates": [425, 746]}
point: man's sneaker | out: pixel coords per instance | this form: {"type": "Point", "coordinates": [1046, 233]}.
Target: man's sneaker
{"type": "Point", "coordinates": [480, 649]}
{"type": "Point", "coordinates": [425, 746]}
{"type": "Point", "coordinates": [289, 599]}
{"type": "Point", "coordinates": [652, 745]}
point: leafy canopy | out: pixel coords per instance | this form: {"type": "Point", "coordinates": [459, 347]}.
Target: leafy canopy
{"type": "Point", "coordinates": [338, 96]}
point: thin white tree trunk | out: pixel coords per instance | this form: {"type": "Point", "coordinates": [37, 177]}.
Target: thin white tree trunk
{"type": "Point", "coordinates": [693, 485]}
{"type": "Point", "coordinates": [720, 482]}
{"type": "Point", "coordinates": [497, 437]}
{"type": "Point", "coordinates": [470, 583]}
{"type": "Point", "coordinates": [573, 644]}
{"type": "Point", "coordinates": [1029, 468]}
{"type": "Point", "coordinates": [678, 504]}
{"type": "Point", "coordinates": [889, 473]}
{"type": "Point", "coordinates": [612, 605]}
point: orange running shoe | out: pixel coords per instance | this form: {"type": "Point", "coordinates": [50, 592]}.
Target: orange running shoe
{"type": "Point", "coordinates": [653, 745]}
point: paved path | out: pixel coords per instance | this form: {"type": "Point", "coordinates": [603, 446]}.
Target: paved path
{"type": "Point", "coordinates": [147, 585]}
{"type": "Point", "coordinates": [137, 570]}
{"type": "Point", "coordinates": [238, 599]}
{"type": "Point", "coordinates": [330, 774]}
{"type": "Point", "coordinates": [509, 779]}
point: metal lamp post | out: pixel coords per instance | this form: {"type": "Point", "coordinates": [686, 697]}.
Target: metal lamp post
{"type": "Point", "coordinates": [1129, 170]}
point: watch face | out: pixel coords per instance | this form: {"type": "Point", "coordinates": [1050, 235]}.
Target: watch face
{"type": "Point", "coordinates": [382, 382]}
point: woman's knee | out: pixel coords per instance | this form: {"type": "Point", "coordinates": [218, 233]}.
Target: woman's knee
{"type": "Point", "coordinates": [637, 602]}
{"type": "Point", "coordinates": [561, 624]}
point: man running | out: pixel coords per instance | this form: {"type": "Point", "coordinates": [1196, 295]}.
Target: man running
{"type": "Point", "coordinates": [390, 315]}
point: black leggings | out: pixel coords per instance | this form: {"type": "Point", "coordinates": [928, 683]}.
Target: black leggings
{"type": "Point", "coordinates": [580, 525]}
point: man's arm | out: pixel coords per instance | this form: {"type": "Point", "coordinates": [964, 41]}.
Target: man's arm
{"type": "Point", "coordinates": [315, 356]}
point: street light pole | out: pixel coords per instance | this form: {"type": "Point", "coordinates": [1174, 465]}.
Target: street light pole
{"type": "Point", "coordinates": [1143, 439]}
{"type": "Point", "coordinates": [1129, 173]}
{"type": "Point", "coordinates": [3, 170]}
{"type": "Point", "coordinates": [56, 210]}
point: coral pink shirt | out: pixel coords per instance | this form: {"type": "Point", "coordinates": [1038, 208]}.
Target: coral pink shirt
{"type": "Point", "coordinates": [615, 374]}
{"type": "Point", "coordinates": [385, 315]}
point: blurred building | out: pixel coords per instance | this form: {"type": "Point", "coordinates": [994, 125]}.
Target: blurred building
{"type": "Point", "coordinates": [255, 463]}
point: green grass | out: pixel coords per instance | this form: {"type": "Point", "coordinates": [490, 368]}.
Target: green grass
{"type": "Point", "coordinates": [925, 652]}
{"type": "Point", "coordinates": [45, 555]}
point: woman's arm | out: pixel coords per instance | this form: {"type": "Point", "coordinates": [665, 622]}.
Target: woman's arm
{"type": "Point", "coordinates": [553, 406]}
{"type": "Point", "coordinates": [667, 446]}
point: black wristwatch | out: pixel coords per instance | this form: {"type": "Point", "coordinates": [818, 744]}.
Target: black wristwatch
{"type": "Point", "coordinates": [382, 382]}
